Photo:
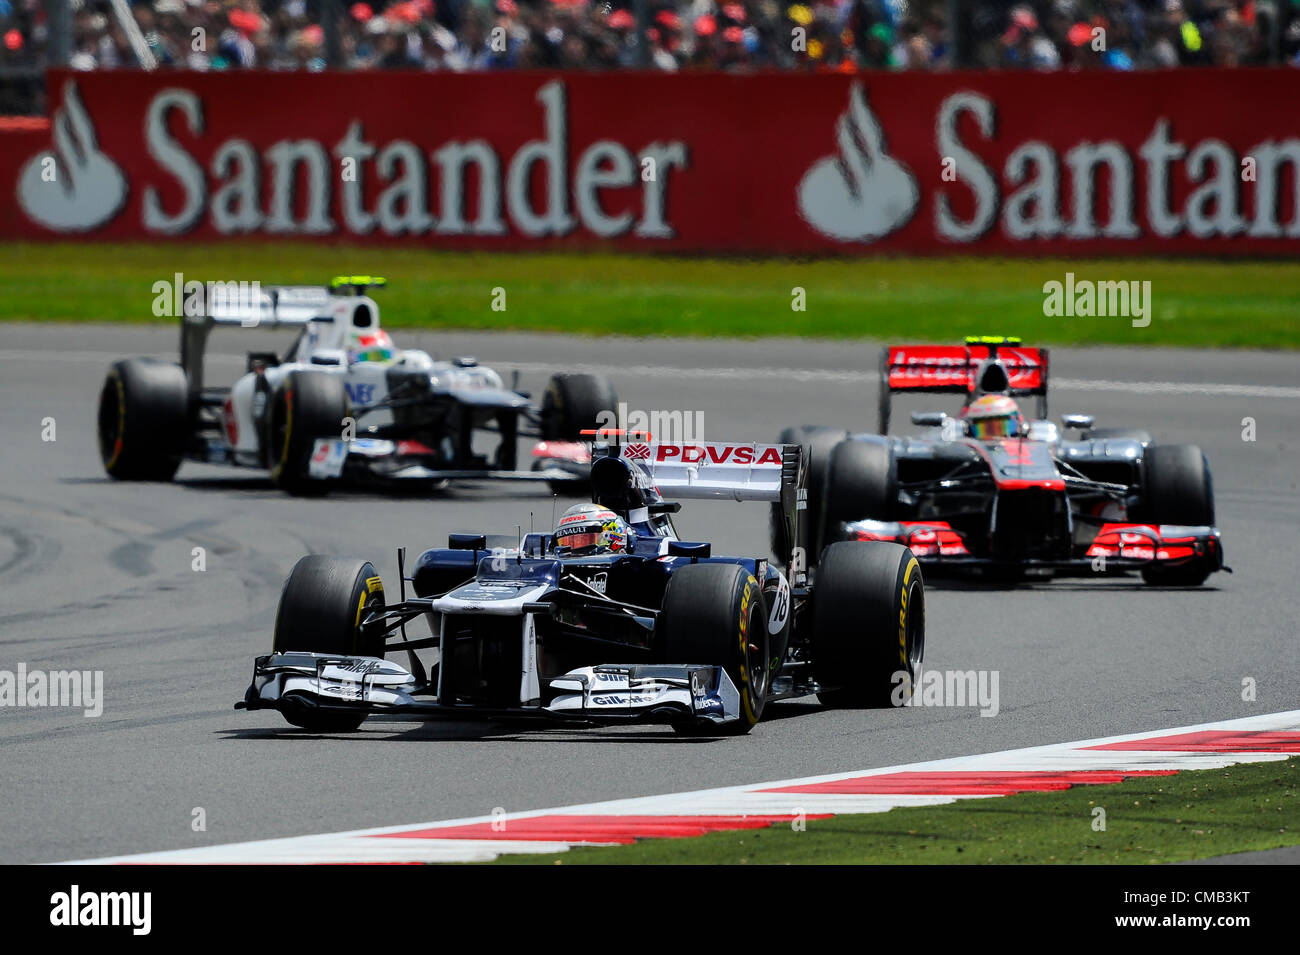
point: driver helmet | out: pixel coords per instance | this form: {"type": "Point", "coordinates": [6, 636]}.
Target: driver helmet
{"type": "Point", "coordinates": [587, 529]}
{"type": "Point", "coordinates": [993, 416]}
{"type": "Point", "coordinates": [370, 345]}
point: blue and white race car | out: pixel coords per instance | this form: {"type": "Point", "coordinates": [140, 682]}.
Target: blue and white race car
{"type": "Point", "coordinates": [610, 618]}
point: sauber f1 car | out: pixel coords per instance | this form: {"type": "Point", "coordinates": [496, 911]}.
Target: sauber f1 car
{"type": "Point", "coordinates": [342, 404]}
{"type": "Point", "coordinates": [1006, 495]}
{"type": "Point", "coordinates": [611, 618]}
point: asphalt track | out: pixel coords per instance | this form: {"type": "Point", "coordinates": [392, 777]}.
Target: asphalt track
{"type": "Point", "coordinates": [97, 576]}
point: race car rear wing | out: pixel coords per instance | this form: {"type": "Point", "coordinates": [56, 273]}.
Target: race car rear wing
{"type": "Point", "coordinates": [963, 369]}
{"type": "Point", "coordinates": [739, 472]}
{"type": "Point", "coordinates": [244, 305]}
{"type": "Point", "coordinates": [639, 473]}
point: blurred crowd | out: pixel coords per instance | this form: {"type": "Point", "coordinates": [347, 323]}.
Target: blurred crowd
{"type": "Point", "coordinates": [834, 35]}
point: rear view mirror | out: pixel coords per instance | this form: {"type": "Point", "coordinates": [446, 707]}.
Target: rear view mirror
{"type": "Point", "coordinates": [1081, 421]}
{"type": "Point", "coordinates": [928, 419]}
{"type": "Point", "coordinates": [678, 548]}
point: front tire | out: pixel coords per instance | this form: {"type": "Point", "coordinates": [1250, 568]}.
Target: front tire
{"type": "Point", "coordinates": [715, 615]}
{"type": "Point", "coordinates": [143, 419]}
{"type": "Point", "coordinates": [321, 609]}
{"type": "Point", "coordinates": [1178, 490]}
{"type": "Point", "coordinates": [861, 483]}
{"type": "Point", "coordinates": [573, 403]}
{"type": "Point", "coordinates": [868, 608]}
{"type": "Point", "coordinates": [818, 443]}
{"type": "Point", "coordinates": [306, 406]}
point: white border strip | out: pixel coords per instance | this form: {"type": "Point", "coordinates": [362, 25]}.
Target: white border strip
{"type": "Point", "coordinates": [358, 845]}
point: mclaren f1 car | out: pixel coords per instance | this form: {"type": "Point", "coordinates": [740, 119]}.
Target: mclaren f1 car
{"type": "Point", "coordinates": [992, 490]}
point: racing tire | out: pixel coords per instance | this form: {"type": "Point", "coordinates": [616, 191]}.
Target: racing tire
{"type": "Point", "coordinates": [574, 487]}
{"type": "Point", "coordinates": [861, 483]}
{"type": "Point", "coordinates": [868, 626]}
{"type": "Point", "coordinates": [711, 615]}
{"type": "Point", "coordinates": [818, 443]}
{"type": "Point", "coordinates": [1112, 434]}
{"type": "Point", "coordinates": [306, 406]}
{"type": "Point", "coordinates": [573, 403]}
{"type": "Point", "coordinates": [143, 419]}
{"type": "Point", "coordinates": [321, 609]}
{"type": "Point", "coordinates": [1178, 490]}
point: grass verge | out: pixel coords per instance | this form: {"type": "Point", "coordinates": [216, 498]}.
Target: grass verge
{"type": "Point", "coordinates": [1191, 815]}
{"type": "Point", "coordinates": [1195, 303]}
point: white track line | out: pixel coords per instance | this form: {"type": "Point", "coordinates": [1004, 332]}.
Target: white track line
{"type": "Point", "coordinates": [730, 373]}
{"type": "Point", "coordinates": [737, 801]}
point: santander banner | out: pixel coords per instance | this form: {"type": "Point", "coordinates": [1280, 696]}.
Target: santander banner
{"type": "Point", "coordinates": [1174, 162]}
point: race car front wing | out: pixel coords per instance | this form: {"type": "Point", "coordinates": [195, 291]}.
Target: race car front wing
{"type": "Point", "coordinates": [609, 693]}
{"type": "Point", "coordinates": [1116, 547]}
{"type": "Point", "coordinates": [335, 459]}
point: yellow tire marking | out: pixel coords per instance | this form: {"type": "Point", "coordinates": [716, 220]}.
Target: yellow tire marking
{"type": "Point", "coordinates": [914, 564]}
{"type": "Point", "coordinates": [745, 698]}
{"type": "Point", "coordinates": [288, 431]}
{"type": "Point", "coordinates": [356, 625]}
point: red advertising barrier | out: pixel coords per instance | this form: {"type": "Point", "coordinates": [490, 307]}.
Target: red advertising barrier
{"type": "Point", "coordinates": [1172, 162]}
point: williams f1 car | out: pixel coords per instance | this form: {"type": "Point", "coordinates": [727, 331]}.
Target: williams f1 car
{"type": "Point", "coordinates": [342, 404]}
{"type": "Point", "coordinates": [1006, 495]}
{"type": "Point", "coordinates": [612, 618]}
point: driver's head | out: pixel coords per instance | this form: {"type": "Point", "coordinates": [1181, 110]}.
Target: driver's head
{"type": "Point", "coordinates": [993, 416]}
{"type": "Point", "coordinates": [371, 344]}
{"type": "Point", "coordinates": [591, 529]}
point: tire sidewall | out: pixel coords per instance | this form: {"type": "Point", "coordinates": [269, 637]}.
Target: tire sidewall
{"type": "Point", "coordinates": [861, 483]}
{"type": "Point", "coordinates": [570, 400]}
{"type": "Point", "coordinates": [149, 415]}
{"type": "Point", "coordinates": [289, 455]}
{"type": "Point", "coordinates": [719, 635]}
{"type": "Point", "coordinates": [868, 636]}
{"type": "Point", "coordinates": [1177, 481]}
{"type": "Point", "coordinates": [318, 611]}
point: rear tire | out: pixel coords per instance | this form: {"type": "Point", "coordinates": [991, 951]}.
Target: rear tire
{"type": "Point", "coordinates": [818, 443]}
{"type": "Point", "coordinates": [143, 419]}
{"type": "Point", "coordinates": [715, 615]}
{"type": "Point", "coordinates": [1178, 490]}
{"type": "Point", "coordinates": [868, 608]}
{"type": "Point", "coordinates": [861, 483]}
{"type": "Point", "coordinates": [306, 406]}
{"type": "Point", "coordinates": [321, 609]}
{"type": "Point", "coordinates": [573, 403]}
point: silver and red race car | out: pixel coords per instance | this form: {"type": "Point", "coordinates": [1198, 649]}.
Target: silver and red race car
{"type": "Point", "coordinates": [1005, 495]}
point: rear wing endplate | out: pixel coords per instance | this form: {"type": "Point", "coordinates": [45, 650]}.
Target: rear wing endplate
{"type": "Point", "coordinates": [247, 305]}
